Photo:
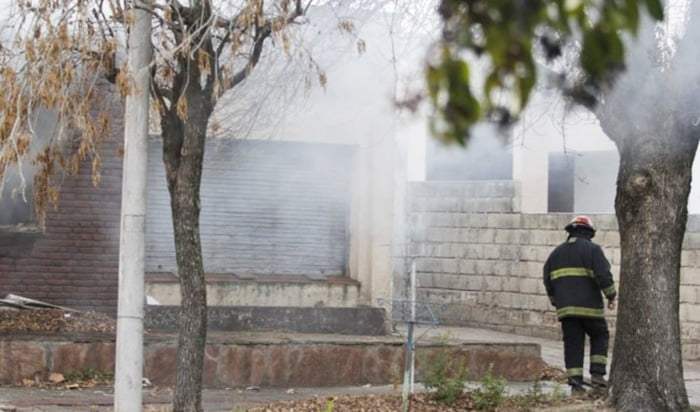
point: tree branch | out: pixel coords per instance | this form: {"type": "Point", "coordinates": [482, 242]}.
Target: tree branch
{"type": "Point", "coordinates": [223, 42]}
{"type": "Point", "coordinates": [175, 26]}
{"type": "Point", "coordinates": [161, 94]}
{"type": "Point", "coordinates": [262, 33]}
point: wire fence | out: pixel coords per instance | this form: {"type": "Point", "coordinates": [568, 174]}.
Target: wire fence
{"type": "Point", "coordinates": [406, 310]}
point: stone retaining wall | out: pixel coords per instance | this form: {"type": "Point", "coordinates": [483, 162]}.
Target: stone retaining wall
{"type": "Point", "coordinates": [484, 259]}
{"type": "Point", "coordinates": [239, 360]}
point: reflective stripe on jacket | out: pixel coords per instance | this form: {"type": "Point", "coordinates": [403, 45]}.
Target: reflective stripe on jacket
{"type": "Point", "coordinates": [575, 274]}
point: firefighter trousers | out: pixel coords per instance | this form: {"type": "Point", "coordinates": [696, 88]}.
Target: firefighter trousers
{"type": "Point", "coordinates": [575, 331]}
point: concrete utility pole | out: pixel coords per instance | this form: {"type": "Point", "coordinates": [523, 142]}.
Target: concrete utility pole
{"type": "Point", "coordinates": [129, 355]}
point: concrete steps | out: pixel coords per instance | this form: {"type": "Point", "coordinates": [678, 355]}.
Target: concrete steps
{"type": "Point", "coordinates": [368, 321]}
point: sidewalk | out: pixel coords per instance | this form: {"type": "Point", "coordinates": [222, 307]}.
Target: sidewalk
{"type": "Point", "coordinates": [158, 400]}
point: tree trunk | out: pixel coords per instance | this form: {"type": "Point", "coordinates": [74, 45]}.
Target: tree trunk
{"type": "Point", "coordinates": [183, 153]}
{"type": "Point", "coordinates": [651, 207]}
{"type": "Point", "coordinates": [193, 309]}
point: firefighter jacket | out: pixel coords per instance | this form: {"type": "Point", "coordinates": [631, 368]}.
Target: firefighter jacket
{"type": "Point", "coordinates": [574, 275]}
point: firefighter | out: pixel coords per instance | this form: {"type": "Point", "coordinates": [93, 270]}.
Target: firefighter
{"type": "Point", "coordinates": [575, 274]}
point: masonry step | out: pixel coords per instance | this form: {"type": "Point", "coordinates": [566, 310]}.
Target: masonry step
{"type": "Point", "coordinates": [361, 320]}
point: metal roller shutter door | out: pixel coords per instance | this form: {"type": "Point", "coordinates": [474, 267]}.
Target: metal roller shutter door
{"type": "Point", "coordinates": [267, 208]}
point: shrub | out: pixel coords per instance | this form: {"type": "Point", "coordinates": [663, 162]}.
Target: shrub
{"type": "Point", "coordinates": [446, 377]}
{"type": "Point", "coordinates": [492, 392]}
{"type": "Point", "coordinates": [532, 396]}
{"type": "Point", "coordinates": [89, 374]}
{"type": "Point", "coordinates": [536, 396]}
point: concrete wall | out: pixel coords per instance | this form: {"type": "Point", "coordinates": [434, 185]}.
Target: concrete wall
{"type": "Point", "coordinates": [484, 259]}
{"type": "Point", "coordinates": [355, 107]}
{"type": "Point", "coordinates": [485, 157]}
{"type": "Point", "coordinates": [549, 125]}
{"type": "Point", "coordinates": [233, 290]}
{"type": "Point", "coordinates": [595, 182]}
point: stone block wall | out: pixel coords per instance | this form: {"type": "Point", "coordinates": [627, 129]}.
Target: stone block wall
{"type": "Point", "coordinates": [484, 261]}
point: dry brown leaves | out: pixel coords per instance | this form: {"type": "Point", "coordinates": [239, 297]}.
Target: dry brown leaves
{"type": "Point", "coordinates": [55, 320]}
{"type": "Point", "coordinates": [553, 374]}
{"type": "Point", "coordinates": [74, 380]}
{"type": "Point", "coordinates": [420, 402]}
{"type": "Point", "coordinates": [378, 403]}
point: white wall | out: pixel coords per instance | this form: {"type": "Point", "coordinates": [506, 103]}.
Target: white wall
{"type": "Point", "coordinates": [595, 177]}
{"type": "Point", "coordinates": [694, 200]}
{"type": "Point", "coordinates": [545, 128]}
{"type": "Point", "coordinates": [355, 107]}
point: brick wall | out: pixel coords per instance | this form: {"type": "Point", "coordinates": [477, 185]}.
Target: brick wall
{"type": "Point", "coordinates": [484, 259]}
{"type": "Point", "coordinates": [74, 262]}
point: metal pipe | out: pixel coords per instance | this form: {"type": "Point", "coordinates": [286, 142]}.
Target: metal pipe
{"type": "Point", "coordinates": [412, 377]}
{"type": "Point", "coordinates": [407, 369]}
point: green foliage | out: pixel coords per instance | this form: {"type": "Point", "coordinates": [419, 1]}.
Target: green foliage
{"type": "Point", "coordinates": [492, 392]}
{"type": "Point", "coordinates": [558, 394]}
{"type": "Point", "coordinates": [535, 396]}
{"type": "Point", "coordinates": [444, 337]}
{"type": "Point", "coordinates": [329, 406]}
{"type": "Point", "coordinates": [88, 374]}
{"type": "Point", "coordinates": [395, 376]}
{"type": "Point", "coordinates": [506, 33]}
{"type": "Point", "coordinates": [446, 377]}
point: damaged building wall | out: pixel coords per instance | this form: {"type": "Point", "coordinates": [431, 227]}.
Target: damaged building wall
{"type": "Point", "coordinates": [73, 259]}
{"type": "Point", "coordinates": [477, 253]}
{"type": "Point", "coordinates": [74, 262]}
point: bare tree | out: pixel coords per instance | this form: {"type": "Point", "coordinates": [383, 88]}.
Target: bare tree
{"type": "Point", "coordinates": [57, 56]}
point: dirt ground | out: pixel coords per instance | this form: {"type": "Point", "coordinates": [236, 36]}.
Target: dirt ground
{"type": "Point", "coordinates": [55, 320]}
{"type": "Point", "coordinates": [422, 402]}
{"type": "Point", "coordinates": [342, 399]}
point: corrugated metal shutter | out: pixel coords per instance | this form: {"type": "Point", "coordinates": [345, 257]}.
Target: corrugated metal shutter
{"type": "Point", "coordinates": [267, 208]}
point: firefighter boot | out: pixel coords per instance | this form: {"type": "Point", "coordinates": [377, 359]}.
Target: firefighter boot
{"type": "Point", "coordinates": [598, 381]}
{"type": "Point", "coordinates": [576, 383]}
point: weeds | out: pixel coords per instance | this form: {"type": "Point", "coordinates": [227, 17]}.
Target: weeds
{"type": "Point", "coordinates": [532, 396]}
{"type": "Point", "coordinates": [558, 394]}
{"type": "Point", "coordinates": [536, 396]}
{"type": "Point", "coordinates": [395, 377]}
{"type": "Point", "coordinates": [89, 374]}
{"type": "Point", "coordinates": [446, 377]}
{"type": "Point", "coordinates": [444, 337]}
{"type": "Point", "coordinates": [492, 392]}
